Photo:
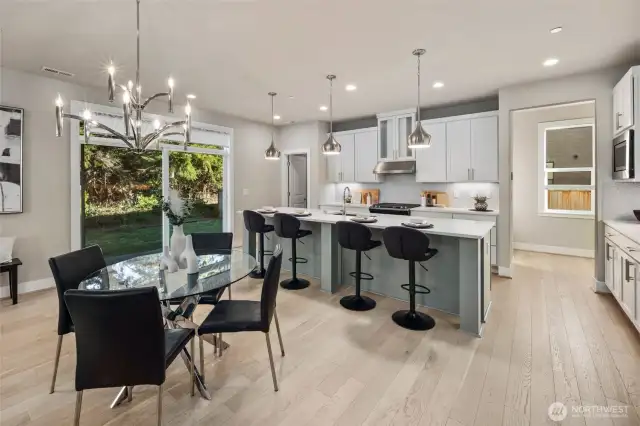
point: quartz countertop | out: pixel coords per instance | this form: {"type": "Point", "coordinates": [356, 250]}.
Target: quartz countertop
{"type": "Point", "coordinates": [628, 228]}
{"type": "Point", "coordinates": [455, 210]}
{"type": "Point", "coordinates": [458, 228]}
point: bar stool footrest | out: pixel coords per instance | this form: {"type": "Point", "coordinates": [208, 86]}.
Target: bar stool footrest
{"type": "Point", "coordinates": [425, 291]}
{"type": "Point", "coordinates": [363, 275]}
{"type": "Point", "coordinates": [300, 259]}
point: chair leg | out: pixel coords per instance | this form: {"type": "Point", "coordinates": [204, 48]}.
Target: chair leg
{"type": "Point", "coordinates": [160, 405]}
{"type": "Point", "coordinates": [202, 358]}
{"type": "Point", "coordinates": [55, 365]}
{"type": "Point", "coordinates": [275, 316]}
{"type": "Point", "coordinates": [193, 366]}
{"type": "Point", "coordinates": [219, 344]}
{"type": "Point", "coordinates": [273, 369]}
{"type": "Point", "coordinates": [229, 289]}
{"type": "Point", "coordinates": [76, 418]}
{"type": "Point", "coordinates": [129, 393]}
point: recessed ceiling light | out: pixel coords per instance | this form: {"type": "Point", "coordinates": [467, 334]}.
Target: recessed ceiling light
{"type": "Point", "coordinates": [350, 87]}
{"type": "Point", "coordinates": [438, 85]}
{"type": "Point", "coordinates": [290, 97]}
{"type": "Point", "coordinates": [191, 96]}
{"type": "Point", "coordinates": [323, 108]}
{"type": "Point", "coordinates": [550, 62]}
{"type": "Point", "coordinates": [276, 117]}
{"type": "Point", "coordinates": [555, 30]}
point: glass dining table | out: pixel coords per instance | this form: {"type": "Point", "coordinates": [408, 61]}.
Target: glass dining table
{"type": "Point", "coordinates": [181, 289]}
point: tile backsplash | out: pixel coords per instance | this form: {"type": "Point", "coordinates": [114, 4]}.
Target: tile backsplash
{"type": "Point", "coordinates": [405, 189]}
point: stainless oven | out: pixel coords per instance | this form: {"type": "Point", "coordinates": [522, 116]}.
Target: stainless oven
{"type": "Point", "coordinates": [623, 156]}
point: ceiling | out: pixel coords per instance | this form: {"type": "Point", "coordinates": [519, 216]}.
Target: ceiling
{"type": "Point", "coordinates": [232, 53]}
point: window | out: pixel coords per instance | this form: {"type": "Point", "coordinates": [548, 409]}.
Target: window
{"type": "Point", "coordinates": [567, 172]}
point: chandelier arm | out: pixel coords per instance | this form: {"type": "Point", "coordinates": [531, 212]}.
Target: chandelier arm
{"type": "Point", "coordinates": [153, 136]}
{"type": "Point", "coordinates": [157, 95]}
{"type": "Point", "coordinates": [133, 100]}
{"type": "Point", "coordinates": [99, 125]}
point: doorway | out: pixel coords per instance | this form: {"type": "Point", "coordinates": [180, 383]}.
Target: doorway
{"type": "Point", "coordinates": [297, 180]}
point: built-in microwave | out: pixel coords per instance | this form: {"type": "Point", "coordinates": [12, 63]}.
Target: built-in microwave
{"type": "Point", "coordinates": [624, 156]}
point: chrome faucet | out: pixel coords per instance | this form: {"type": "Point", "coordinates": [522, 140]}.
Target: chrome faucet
{"type": "Point", "coordinates": [344, 200]}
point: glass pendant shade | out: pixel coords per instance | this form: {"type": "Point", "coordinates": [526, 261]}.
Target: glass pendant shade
{"type": "Point", "coordinates": [331, 146]}
{"type": "Point", "coordinates": [419, 138]}
{"type": "Point", "coordinates": [272, 153]}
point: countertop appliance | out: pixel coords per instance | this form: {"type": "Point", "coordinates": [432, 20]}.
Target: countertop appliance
{"type": "Point", "coordinates": [624, 156]}
{"type": "Point", "coordinates": [403, 209]}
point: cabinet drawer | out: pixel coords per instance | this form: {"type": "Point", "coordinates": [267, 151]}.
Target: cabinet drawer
{"type": "Point", "coordinates": [625, 244]}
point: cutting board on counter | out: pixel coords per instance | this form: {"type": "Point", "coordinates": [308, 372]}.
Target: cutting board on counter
{"type": "Point", "coordinates": [361, 196]}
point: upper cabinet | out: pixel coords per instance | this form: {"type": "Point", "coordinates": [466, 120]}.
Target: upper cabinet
{"type": "Point", "coordinates": [623, 101]}
{"type": "Point", "coordinates": [394, 129]}
{"type": "Point", "coordinates": [357, 159]}
{"type": "Point", "coordinates": [463, 149]}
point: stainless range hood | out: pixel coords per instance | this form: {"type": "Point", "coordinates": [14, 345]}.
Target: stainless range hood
{"type": "Point", "coordinates": [395, 168]}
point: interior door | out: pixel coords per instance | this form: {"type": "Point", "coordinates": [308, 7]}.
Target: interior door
{"type": "Point", "coordinates": [484, 149]}
{"type": "Point", "coordinates": [431, 163]}
{"type": "Point", "coordinates": [459, 151]}
{"type": "Point", "coordinates": [298, 181]}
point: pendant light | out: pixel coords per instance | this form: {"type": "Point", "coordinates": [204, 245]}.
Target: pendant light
{"type": "Point", "coordinates": [331, 146]}
{"type": "Point", "coordinates": [272, 153]}
{"type": "Point", "coordinates": [419, 138]}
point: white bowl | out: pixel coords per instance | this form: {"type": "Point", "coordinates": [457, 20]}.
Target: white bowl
{"type": "Point", "coordinates": [268, 208]}
{"type": "Point", "coordinates": [363, 216]}
{"type": "Point", "coordinates": [300, 211]}
{"type": "Point", "coordinates": [418, 221]}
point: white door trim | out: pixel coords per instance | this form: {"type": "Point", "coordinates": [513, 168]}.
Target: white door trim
{"type": "Point", "coordinates": [284, 174]}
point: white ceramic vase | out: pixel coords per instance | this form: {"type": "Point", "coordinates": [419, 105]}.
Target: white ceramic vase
{"type": "Point", "coordinates": [189, 256]}
{"type": "Point", "coordinates": [167, 262]}
{"type": "Point", "coordinates": [178, 243]}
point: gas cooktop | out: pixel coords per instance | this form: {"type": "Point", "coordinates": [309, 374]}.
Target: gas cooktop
{"type": "Point", "coordinates": [393, 208]}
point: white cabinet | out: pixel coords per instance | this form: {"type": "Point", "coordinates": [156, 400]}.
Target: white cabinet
{"type": "Point", "coordinates": [366, 155]}
{"type": "Point", "coordinates": [393, 130]}
{"type": "Point", "coordinates": [484, 149]}
{"type": "Point", "coordinates": [472, 149]}
{"type": "Point", "coordinates": [623, 103]}
{"type": "Point", "coordinates": [357, 159]}
{"type": "Point", "coordinates": [341, 167]}
{"type": "Point", "coordinates": [431, 163]}
{"type": "Point", "coordinates": [459, 151]}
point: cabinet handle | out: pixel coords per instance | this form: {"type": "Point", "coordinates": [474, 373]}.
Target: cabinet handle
{"type": "Point", "coordinates": [473, 174]}
{"type": "Point", "coordinates": [468, 174]}
{"type": "Point", "coordinates": [607, 247]}
{"type": "Point", "coordinates": [627, 275]}
{"type": "Point", "coordinates": [632, 249]}
{"type": "Point", "coordinates": [618, 115]}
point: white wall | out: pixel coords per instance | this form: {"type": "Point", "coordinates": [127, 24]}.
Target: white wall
{"type": "Point", "coordinates": [528, 226]}
{"type": "Point", "coordinates": [43, 230]}
{"type": "Point", "coordinates": [612, 200]}
{"type": "Point", "coordinates": [307, 136]}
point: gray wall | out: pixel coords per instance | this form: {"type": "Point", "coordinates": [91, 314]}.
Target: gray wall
{"type": "Point", "coordinates": [43, 230]}
{"type": "Point", "coordinates": [471, 107]}
{"type": "Point", "coordinates": [528, 226]}
{"type": "Point", "coordinates": [612, 200]}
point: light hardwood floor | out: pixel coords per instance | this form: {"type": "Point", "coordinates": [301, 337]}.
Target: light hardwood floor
{"type": "Point", "coordinates": [549, 338]}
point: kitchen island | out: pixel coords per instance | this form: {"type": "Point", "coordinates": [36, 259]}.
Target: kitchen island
{"type": "Point", "coordinates": [459, 276]}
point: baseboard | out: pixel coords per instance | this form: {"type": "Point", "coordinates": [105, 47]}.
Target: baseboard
{"type": "Point", "coordinates": [504, 272]}
{"type": "Point", "coordinates": [567, 251]}
{"type": "Point", "coordinates": [28, 287]}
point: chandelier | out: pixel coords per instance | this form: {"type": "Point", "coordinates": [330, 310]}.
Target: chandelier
{"type": "Point", "coordinates": [133, 106]}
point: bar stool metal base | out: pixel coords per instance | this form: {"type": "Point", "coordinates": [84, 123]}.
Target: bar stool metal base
{"type": "Point", "coordinates": [413, 320]}
{"type": "Point", "coordinates": [294, 284]}
{"type": "Point", "coordinates": [257, 273]}
{"type": "Point", "coordinates": [357, 303]}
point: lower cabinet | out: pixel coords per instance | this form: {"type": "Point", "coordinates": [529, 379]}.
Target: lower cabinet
{"type": "Point", "coordinates": [620, 277]}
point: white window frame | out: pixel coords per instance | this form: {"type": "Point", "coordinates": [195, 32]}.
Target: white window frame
{"type": "Point", "coordinates": [543, 187]}
{"type": "Point", "coordinates": [76, 141]}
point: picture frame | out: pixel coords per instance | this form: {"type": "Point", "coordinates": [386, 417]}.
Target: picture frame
{"type": "Point", "coordinates": [11, 164]}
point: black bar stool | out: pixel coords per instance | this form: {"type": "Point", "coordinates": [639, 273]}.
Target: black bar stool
{"type": "Point", "coordinates": [288, 226]}
{"type": "Point", "coordinates": [355, 236]}
{"type": "Point", "coordinates": [412, 245]}
{"type": "Point", "coordinates": [255, 222]}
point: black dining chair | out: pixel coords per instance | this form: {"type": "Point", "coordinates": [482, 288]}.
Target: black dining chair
{"type": "Point", "coordinates": [233, 316]}
{"type": "Point", "coordinates": [121, 341]}
{"type": "Point", "coordinates": [68, 272]}
{"type": "Point", "coordinates": [210, 243]}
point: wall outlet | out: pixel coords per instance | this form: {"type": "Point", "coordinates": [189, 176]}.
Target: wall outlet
{"type": "Point", "coordinates": [456, 194]}
{"type": "Point", "coordinates": [245, 191]}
